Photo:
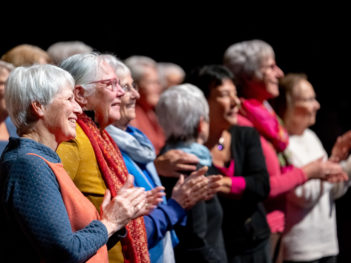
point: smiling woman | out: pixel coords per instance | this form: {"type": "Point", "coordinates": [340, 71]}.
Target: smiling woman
{"type": "Point", "coordinates": [54, 222]}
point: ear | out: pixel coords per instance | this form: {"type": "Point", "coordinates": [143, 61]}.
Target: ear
{"type": "Point", "coordinates": [202, 131]}
{"type": "Point", "coordinates": [79, 94]}
{"type": "Point", "coordinates": [38, 109]}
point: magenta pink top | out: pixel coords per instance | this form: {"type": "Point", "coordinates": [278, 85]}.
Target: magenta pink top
{"type": "Point", "coordinates": [282, 180]}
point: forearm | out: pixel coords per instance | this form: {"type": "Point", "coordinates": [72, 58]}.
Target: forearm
{"type": "Point", "coordinates": [161, 220]}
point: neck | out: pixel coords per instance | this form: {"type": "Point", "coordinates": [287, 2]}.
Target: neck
{"type": "Point", "coordinates": [213, 139]}
{"type": "Point", "coordinates": [3, 116]}
{"type": "Point", "coordinates": [294, 127]}
{"type": "Point", "coordinates": [43, 137]}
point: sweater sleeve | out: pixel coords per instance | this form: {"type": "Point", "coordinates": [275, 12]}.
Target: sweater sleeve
{"type": "Point", "coordinates": [161, 220]}
{"type": "Point", "coordinates": [34, 200]}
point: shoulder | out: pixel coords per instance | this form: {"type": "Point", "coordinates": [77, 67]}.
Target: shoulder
{"type": "Point", "coordinates": [243, 132]}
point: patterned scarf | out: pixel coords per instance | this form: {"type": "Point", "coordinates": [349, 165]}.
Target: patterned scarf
{"type": "Point", "coordinates": [266, 122]}
{"type": "Point", "coordinates": [114, 172]}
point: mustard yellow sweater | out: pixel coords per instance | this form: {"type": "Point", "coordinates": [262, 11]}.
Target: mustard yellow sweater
{"type": "Point", "coordinates": [80, 162]}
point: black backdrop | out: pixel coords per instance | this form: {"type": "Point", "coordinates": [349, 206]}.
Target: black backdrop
{"type": "Point", "coordinates": [308, 41]}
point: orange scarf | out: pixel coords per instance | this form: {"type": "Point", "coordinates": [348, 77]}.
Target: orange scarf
{"type": "Point", "coordinates": [114, 172]}
{"type": "Point", "coordinates": [79, 209]}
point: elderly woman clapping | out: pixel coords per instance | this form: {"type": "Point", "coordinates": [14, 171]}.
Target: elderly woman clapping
{"type": "Point", "coordinates": [92, 159]}
{"type": "Point", "coordinates": [44, 217]}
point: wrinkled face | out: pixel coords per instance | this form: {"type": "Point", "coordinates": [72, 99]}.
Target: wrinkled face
{"type": "Point", "coordinates": [305, 104]}
{"type": "Point", "coordinates": [128, 101]}
{"type": "Point", "coordinates": [106, 99]}
{"type": "Point", "coordinates": [61, 114]}
{"type": "Point", "coordinates": [271, 74]}
{"type": "Point", "coordinates": [224, 105]}
{"type": "Point", "coordinates": [4, 74]}
{"type": "Point", "coordinates": [150, 87]}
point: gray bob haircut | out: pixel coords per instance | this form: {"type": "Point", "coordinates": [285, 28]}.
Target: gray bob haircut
{"type": "Point", "coordinates": [84, 68]}
{"type": "Point", "coordinates": [244, 59]}
{"type": "Point", "coordinates": [25, 85]}
{"type": "Point", "coordinates": [138, 65]}
{"type": "Point", "coordinates": [119, 67]}
{"type": "Point", "coordinates": [179, 111]}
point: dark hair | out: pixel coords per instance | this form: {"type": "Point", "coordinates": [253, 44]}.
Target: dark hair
{"type": "Point", "coordinates": [209, 77]}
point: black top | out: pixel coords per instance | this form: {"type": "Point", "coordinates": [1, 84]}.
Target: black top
{"type": "Point", "coordinates": [245, 227]}
{"type": "Point", "coordinates": [201, 239]}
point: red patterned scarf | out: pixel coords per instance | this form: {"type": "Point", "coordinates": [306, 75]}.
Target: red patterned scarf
{"type": "Point", "coordinates": [114, 172]}
{"type": "Point", "coordinates": [266, 122]}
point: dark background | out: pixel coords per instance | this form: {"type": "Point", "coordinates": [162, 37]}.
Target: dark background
{"type": "Point", "coordinates": [313, 41]}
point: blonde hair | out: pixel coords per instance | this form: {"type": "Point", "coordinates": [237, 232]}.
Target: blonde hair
{"type": "Point", "coordinates": [26, 55]}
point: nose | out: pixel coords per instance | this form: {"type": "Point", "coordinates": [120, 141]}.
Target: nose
{"type": "Point", "coordinates": [120, 91]}
{"type": "Point", "coordinates": [279, 72]}
{"type": "Point", "coordinates": [135, 93]}
{"type": "Point", "coordinates": [77, 108]}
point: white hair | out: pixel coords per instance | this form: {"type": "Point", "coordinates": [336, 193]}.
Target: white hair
{"type": "Point", "coordinates": [166, 69]}
{"type": "Point", "coordinates": [245, 59]}
{"type": "Point", "coordinates": [179, 111]}
{"type": "Point", "coordinates": [29, 84]}
{"type": "Point", "coordinates": [119, 67]}
{"type": "Point", "coordinates": [138, 66]}
{"type": "Point", "coordinates": [85, 68]}
{"type": "Point", "coordinates": [59, 51]}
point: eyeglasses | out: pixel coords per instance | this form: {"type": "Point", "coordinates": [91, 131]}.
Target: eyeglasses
{"type": "Point", "coordinates": [110, 84]}
{"type": "Point", "coordinates": [129, 88]}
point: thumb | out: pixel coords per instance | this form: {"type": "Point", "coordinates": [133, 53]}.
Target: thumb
{"type": "Point", "coordinates": [179, 182]}
{"type": "Point", "coordinates": [106, 201]}
{"type": "Point", "coordinates": [129, 182]}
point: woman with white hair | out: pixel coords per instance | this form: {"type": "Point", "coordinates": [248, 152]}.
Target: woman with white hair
{"type": "Point", "coordinates": [256, 76]}
{"type": "Point", "coordinates": [43, 216]}
{"type": "Point", "coordinates": [139, 155]}
{"type": "Point", "coordinates": [92, 158]}
{"type": "Point", "coordinates": [183, 113]}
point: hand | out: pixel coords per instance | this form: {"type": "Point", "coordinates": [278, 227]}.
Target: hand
{"type": "Point", "coordinates": [187, 192]}
{"type": "Point", "coordinates": [341, 147]}
{"type": "Point", "coordinates": [125, 206]}
{"type": "Point", "coordinates": [325, 170]}
{"type": "Point", "coordinates": [174, 162]}
{"type": "Point", "coordinates": [153, 198]}
{"type": "Point", "coordinates": [225, 185]}
{"type": "Point", "coordinates": [214, 185]}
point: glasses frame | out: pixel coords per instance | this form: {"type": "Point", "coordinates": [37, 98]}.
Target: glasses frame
{"type": "Point", "coordinates": [113, 83]}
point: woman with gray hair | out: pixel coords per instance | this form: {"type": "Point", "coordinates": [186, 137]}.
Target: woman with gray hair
{"type": "Point", "coordinates": [92, 159]}
{"type": "Point", "coordinates": [183, 113]}
{"type": "Point", "coordinates": [257, 75]}
{"type": "Point", "coordinates": [7, 129]}
{"type": "Point", "coordinates": [139, 155]}
{"type": "Point", "coordinates": [145, 74]}
{"type": "Point", "coordinates": [43, 216]}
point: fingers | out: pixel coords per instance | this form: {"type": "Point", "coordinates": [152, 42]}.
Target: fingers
{"type": "Point", "coordinates": [106, 201]}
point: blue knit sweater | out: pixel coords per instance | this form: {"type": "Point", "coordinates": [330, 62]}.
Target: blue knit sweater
{"type": "Point", "coordinates": [33, 218]}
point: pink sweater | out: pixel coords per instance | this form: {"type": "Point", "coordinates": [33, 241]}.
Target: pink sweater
{"type": "Point", "coordinates": [282, 180]}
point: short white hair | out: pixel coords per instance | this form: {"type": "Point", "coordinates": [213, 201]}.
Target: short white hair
{"type": "Point", "coordinates": [29, 84]}
{"type": "Point", "coordinates": [85, 68]}
{"type": "Point", "coordinates": [59, 51]}
{"type": "Point", "coordinates": [244, 59]}
{"type": "Point", "coordinates": [138, 66]}
{"type": "Point", "coordinates": [179, 111]}
{"type": "Point", "coordinates": [119, 67]}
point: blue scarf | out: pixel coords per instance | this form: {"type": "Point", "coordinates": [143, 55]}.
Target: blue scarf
{"type": "Point", "coordinates": [197, 149]}
{"type": "Point", "coordinates": [138, 154]}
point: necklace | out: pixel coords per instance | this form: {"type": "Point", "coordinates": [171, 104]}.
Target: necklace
{"type": "Point", "coordinates": [220, 144]}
